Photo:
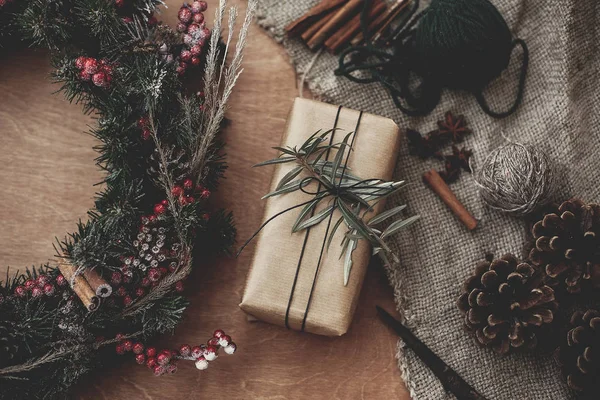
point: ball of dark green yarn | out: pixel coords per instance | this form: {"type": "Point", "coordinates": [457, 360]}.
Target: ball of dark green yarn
{"type": "Point", "coordinates": [462, 44]}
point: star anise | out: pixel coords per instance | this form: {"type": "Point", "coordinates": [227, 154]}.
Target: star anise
{"type": "Point", "coordinates": [423, 146]}
{"type": "Point", "coordinates": [455, 127]}
{"type": "Point", "coordinates": [454, 162]}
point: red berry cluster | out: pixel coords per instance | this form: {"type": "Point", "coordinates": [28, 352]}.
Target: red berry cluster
{"type": "Point", "coordinates": [42, 285]}
{"type": "Point", "coordinates": [195, 34]}
{"type": "Point", "coordinates": [144, 124]}
{"type": "Point", "coordinates": [99, 72]}
{"type": "Point", "coordinates": [187, 193]}
{"type": "Point", "coordinates": [164, 361]}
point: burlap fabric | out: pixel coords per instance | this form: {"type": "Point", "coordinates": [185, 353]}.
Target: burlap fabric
{"type": "Point", "coordinates": [560, 114]}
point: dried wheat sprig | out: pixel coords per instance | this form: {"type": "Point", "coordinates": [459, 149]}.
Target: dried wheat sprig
{"type": "Point", "coordinates": [216, 97]}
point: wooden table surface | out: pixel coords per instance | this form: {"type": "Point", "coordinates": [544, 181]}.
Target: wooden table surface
{"type": "Point", "coordinates": [46, 186]}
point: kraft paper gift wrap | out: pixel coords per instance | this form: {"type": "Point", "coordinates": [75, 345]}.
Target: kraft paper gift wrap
{"type": "Point", "coordinates": [270, 284]}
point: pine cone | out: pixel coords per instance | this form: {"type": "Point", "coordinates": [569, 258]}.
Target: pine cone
{"type": "Point", "coordinates": [567, 246]}
{"type": "Point", "coordinates": [580, 355]}
{"type": "Point", "coordinates": [505, 303]}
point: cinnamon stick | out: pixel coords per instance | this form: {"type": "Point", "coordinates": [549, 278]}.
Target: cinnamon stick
{"type": "Point", "coordinates": [343, 15]}
{"type": "Point", "coordinates": [309, 33]}
{"type": "Point", "coordinates": [350, 29]}
{"type": "Point", "coordinates": [440, 187]}
{"type": "Point", "coordinates": [98, 285]}
{"type": "Point", "coordinates": [383, 20]}
{"type": "Point", "coordinates": [300, 25]}
{"type": "Point", "coordinates": [80, 286]}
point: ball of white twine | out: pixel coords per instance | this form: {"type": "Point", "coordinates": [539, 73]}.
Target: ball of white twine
{"type": "Point", "coordinates": [516, 179]}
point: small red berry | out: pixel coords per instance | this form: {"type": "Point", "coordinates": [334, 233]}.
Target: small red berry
{"type": "Point", "coordinates": [90, 66]}
{"type": "Point", "coordinates": [179, 286]}
{"type": "Point", "coordinates": [127, 300]}
{"type": "Point", "coordinates": [140, 292]}
{"type": "Point", "coordinates": [127, 20]}
{"type": "Point", "coordinates": [145, 282]}
{"type": "Point", "coordinates": [158, 370]}
{"type": "Point", "coordinates": [151, 362]}
{"type": "Point", "coordinates": [163, 358]}
{"type": "Point", "coordinates": [163, 271]}
{"type": "Point", "coordinates": [210, 353]}
{"type": "Point", "coordinates": [213, 341]}
{"type": "Point", "coordinates": [159, 209]}
{"type": "Point", "coordinates": [186, 55]}
{"type": "Point", "coordinates": [154, 274]}
{"type": "Point", "coordinates": [181, 27]}
{"type": "Point", "coordinates": [80, 62]}
{"type": "Point", "coordinates": [20, 291]}
{"type": "Point", "coordinates": [142, 122]}
{"type": "Point", "coordinates": [140, 359]}
{"type": "Point", "coordinates": [205, 194]}
{"type": "Point", "coordinates": [42, 280]}
{"type": "Point", "coordinates": [36, 292]}
{"type": "Point", "coordinates": [128, 345]}
{"type": "Point", "coordinates": [182, 200]}
{"type": "Point", "coordinates": [180, 70]}
{"type": "Point", "coordinates": [49, 289]}
{"type": "Point", "coordinates": [120, 349]}
{"type": "Point", "coordinates": [165, 203]}
{"type": "Point", "coordinates": [206, 216]}
{"type": "Point", "coordinates": [197, 351]}
{"type": "Point", "coordinates": [188, 184]}
{"type": "Point", "coordinates": [184, 15]}
{"type": "Point", "coordinates": [203, 6]}
{"type": "Point", "coordinates": [224, 340]}
{"type": "Point", "coordinates": [230, 348]}
{"type": "Point", "coordinates": [193, 28]}
{"type": "Point", "coordinates": [188, 39]}
{"type": "Point", "coordinates": [116, 278]}
{"type": "Point", "coordinates": [151, 351]}
{"type": "Point", "coordinates": [60, 280]}
{"type": "Point", "coordinates": [218, 333]}
{"type": "Point", "coordinates": [119, 3]}
{"type": "Point", "coordinates": [195, 61]}
{"type": "Point", "coordinates": [189, 199]}
{"type": "Point", "coordinates": [121, 291]}
{"type": "Point", "coordinates": [201, 363]}
{"type": "Point", "coordinates": [185, 350]}
{"type": "Point", "coordinates": [119, 336]}
{"type": "Point", "coordinates": [146, 134]}
{"type": "Point", "coordinates": [151, 218]}
{"type": "Point", "coordinates": [196, 50]}
{"type": "Point", "coordinates": [84, 76]}
{"type": "Point", "coordinates": [101, 79]}
{"type": "Point", "coordinates": [198, 18]}
{"type": "Point", "coordinates": [177, 191]}
{"type": "Point", "coordinates": [138, 348]}
{"type": "Point", "coordinates": [29, 284]}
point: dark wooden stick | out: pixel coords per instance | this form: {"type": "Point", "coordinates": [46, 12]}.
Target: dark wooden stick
{"type": "Point", "coordinates": [451, 381]}
{"type": "Point", "coordinates": [440, 187]}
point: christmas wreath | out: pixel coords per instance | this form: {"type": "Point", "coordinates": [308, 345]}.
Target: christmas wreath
{"type": "Point", "coordinates": [119, 279]}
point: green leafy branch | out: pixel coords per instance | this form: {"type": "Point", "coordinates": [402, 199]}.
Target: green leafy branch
{"type": "Point", "coordinates": [337, 190]}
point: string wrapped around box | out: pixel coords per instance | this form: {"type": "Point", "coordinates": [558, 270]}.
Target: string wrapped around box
{"type": "Point", "coordinates": [455, 44]}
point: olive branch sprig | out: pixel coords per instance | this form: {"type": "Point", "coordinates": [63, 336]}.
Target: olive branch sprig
{"type": "Point", "coordinates": [337, 189]}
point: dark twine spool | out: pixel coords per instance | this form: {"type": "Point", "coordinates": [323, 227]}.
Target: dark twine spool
{"type": "Point", "coordinates": [455, 44]}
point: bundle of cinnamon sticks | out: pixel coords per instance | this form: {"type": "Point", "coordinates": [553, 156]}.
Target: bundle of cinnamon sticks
{"type": "Point", "coordinates": [89, 286]}
{"type": "Point", "coordinates": [335, 24]}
